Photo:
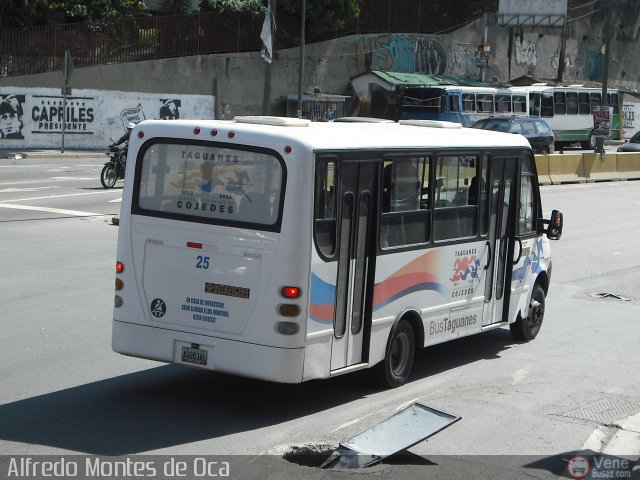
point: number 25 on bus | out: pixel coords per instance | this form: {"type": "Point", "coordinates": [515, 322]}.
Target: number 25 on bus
{"type": "Point", "coordinates": [288, 250]}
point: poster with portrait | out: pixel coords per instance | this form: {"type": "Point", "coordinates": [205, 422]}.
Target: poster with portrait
{"type": "Point", "coordinates": [602, 116]}
{"type": "Point", "coordinates": [11, 111]}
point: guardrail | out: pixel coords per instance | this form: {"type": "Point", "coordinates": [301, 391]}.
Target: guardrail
{"type": "Point", "coordinates": [554, 169]}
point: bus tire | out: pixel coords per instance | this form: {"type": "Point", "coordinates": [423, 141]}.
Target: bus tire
{"type": "Point", "coordinates": [527, 328]}
{"type": "Point", "coordinates": [590, 143]}
{"type": "Point", "coordinates": [395, 369]}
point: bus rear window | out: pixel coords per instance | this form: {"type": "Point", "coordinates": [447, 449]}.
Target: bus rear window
{"type": "Point", "coordinates": [210, 183]}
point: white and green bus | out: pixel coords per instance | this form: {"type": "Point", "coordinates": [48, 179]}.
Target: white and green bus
{"type": "Point", "coordinates": [286, 250]}
{"type": "Point", "coordinates": [568, 111]}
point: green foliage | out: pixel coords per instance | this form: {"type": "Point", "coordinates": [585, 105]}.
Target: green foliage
{"type": "Point", "coordinates": [233, 6]}
{"type": "Point", "coordinates": [323, 15]}
{"type": "Point", "coordinates": [176, 7]}
{"type": "Point", "coordinates": [18, 13]}
{"type": "Point", "coordinates": [39, 12]}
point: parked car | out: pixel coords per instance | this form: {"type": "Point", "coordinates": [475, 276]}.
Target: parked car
{"type": "Point", "coordinates": [536, 130]}
{"type": "Point", "coordinates": [633, 145]}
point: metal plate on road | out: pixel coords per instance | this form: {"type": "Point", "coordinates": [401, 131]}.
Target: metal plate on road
{"type": "Point", "coordinates": [402, 430]}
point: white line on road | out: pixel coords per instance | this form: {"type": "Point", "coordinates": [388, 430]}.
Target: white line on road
{"type": "Point", "coordinates": [52, 210]}
{"type": "Point", "coordinates": [48, 180]}
{"type": "Point", "coordinates": [116, 200]}
{"type": "Point", "coordinates": [33, 189]}
{"type": "Point", "coordinates": [49, 197]}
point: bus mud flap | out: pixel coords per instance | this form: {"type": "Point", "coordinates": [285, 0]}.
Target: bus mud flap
{"type": "Point", "coordinates": [400, 431]}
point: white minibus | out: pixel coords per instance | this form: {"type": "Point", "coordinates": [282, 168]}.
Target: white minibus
{"type": "Point", "coordinates": [287, 250]}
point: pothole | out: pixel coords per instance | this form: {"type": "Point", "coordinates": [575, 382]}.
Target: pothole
{"type": "Point", "coordinates": [308, 455]}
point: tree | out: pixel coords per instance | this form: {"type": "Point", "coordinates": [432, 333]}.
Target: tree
{"type": "Point", "coordinates": [323, 16]}
{"type": "Point", "coordinates": [176, 7]}
{"type": "Point", "coordinates": [18, 13]}
{"type": "Point", "coordinates": [257, 7]}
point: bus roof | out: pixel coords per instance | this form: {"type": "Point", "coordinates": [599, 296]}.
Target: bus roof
{"type": "Point", "coordinates": [274, 131]}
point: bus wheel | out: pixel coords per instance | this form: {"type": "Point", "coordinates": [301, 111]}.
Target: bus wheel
{"type": "Point", "coordinates": [527, 328]}
{"type": "Point", "coordinates": [590, 143]}
{"type": "Point", "coordinates": [395, 369]}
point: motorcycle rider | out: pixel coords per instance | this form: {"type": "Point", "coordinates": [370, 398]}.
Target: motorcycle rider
{"type": "Point", "coordinates": [125, 137]}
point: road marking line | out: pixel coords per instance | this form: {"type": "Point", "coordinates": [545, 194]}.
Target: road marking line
{"type": "Point", "coordinates": [20, 190]}
{"type": "Point", "coordinates": [49, 197]}
{"type": "Point", "coordinates": [52, 210]}
{"type": "Point", "coordinates": [49, 180]}
{"type": "Point", "coordinates": [116, 200]}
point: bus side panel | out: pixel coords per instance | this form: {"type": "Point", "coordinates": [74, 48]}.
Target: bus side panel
{"type": "Point", "coordinates": [535, 259]}
{"type": "Point", "coordinates": [445, 285]}
{"type": "Point", "coordinates": [322, 296]}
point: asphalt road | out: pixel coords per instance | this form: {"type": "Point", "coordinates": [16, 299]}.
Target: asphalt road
{"type": "Point", "coordinates": [525, 407]}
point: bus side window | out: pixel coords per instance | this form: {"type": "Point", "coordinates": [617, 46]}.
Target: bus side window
{"type": "Point", "coordinates": [325, 207]}
{"type": "Point", "coordinates": [454, 103]}
{"type": "Point", "coordinates": [527, 217]}
{"type": "Point", "coordinates": [455, 216]}
{"type": "Point", "coordinates": [583, 103]}
{"type": "Point", "coordinates": [559, 103]}
{"type": "Point", "coordinates": [572, 103]}
{"type": "Point", "coordinates": [547, 105]}
{"type": "Point", "coordinates": [405, 202]}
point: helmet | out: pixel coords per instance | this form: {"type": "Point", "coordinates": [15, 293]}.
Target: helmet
{"type": "Point", "coordinates": [130, 125]}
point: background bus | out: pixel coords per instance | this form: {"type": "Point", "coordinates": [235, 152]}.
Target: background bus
{"type": "Point", "coordinates": [461, 104]}
{"type": "Point", "coordinates": [568, 111]}
{"type": "Point", "coordinates": [287, 250]}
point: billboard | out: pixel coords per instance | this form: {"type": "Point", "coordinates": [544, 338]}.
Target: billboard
{"type": "Point", "coordinates": [544, 13]}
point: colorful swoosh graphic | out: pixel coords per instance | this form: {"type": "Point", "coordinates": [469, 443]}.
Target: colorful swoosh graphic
{"type": "Point", "coordinates": [413, 277]}
{"type": "Point", "coordinates": [532, 262]}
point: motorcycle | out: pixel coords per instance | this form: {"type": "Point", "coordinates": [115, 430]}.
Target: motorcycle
{"type": "Point", "coordinates": [114, 169]}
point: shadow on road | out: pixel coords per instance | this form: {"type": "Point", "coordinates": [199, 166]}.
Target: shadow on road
{"type": "Point", "coordinates": [172, 405]}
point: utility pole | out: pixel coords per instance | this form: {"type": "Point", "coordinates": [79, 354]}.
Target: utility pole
{"type": "Point", "coordinates": [605, 74]}
{"type": "Point", "coordinates": [301, 71]}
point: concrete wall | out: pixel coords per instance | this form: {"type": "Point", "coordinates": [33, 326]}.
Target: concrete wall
{"type": "Point", "coordinates": [93, 117]}
{"type": "Point", "coordinates": [237, 79]}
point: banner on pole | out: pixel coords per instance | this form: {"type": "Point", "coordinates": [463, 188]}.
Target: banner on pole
{"type": "Point", "coordinates": [266, 36]}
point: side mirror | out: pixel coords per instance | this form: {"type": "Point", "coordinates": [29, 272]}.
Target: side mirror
{"type": "Point", "coordinates": [555, 224]}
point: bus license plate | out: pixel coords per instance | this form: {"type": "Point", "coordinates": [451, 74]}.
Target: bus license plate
{"type": "Point", "coordinates": [197, 356]}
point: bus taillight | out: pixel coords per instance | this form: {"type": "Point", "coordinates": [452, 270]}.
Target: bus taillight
{"type": "Point", "coordinates": [290, 292]}
{"type": "Point", "coordinates": [119, 267]}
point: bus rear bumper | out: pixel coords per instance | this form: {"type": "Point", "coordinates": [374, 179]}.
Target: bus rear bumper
{"type": "Point", "coordinates": [275, 364]}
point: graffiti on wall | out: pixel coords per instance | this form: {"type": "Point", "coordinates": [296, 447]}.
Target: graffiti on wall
{"type": "Point", "coordinates": [387, 52]}
{"type": "Point", "coordinates": [397, 53]}
{"type": "Point", "coordinates": [170, 108]}
{"type": "Point", "coordinates": [431, 56]}
{"type": "Point", "coordinates": [525, 53]}
{"type": "Point", "coordinates": [132, 115]}
{"type": "Point", "coordinates": [36, 117]}
{"type": "Point", "coordinates": [462, 62]}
